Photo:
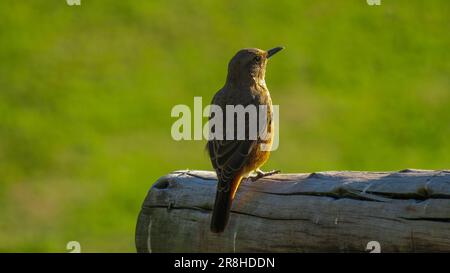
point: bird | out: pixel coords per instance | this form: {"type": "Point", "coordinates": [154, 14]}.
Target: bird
{"type": "Point", "coordinates": [235, 159]}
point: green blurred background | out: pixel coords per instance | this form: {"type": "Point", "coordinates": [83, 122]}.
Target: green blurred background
{"type": "Point", "coordinates": [86, 94]}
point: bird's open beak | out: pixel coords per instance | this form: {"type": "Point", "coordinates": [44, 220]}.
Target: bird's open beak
{"type": "Point", "coordinates": [274, 50]}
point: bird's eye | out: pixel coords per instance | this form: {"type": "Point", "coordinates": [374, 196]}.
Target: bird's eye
{"type": "Point", "coordinates": [257, 59]}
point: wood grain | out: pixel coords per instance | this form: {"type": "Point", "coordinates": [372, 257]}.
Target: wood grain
{"type": "Point", "coordinates": [406, 211]}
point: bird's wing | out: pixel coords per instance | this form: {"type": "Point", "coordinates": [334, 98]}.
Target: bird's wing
{"type": "Point", "coordinates": [228, 158]}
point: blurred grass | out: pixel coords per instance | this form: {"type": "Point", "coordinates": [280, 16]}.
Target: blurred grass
{"type": "Point", "coordinates": [86, 94]}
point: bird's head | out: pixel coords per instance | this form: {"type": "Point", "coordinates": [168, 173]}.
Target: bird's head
{"type": "Point", "coordinates": [248, 66]}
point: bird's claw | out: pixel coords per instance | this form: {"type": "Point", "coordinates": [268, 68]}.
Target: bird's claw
{"type": "Point", "coordinates": [260, 174]}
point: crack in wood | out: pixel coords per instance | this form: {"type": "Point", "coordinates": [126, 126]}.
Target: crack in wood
{"type": "Point", "coordinates": [341, 195]}
{"type": "Point", "coordinates": [432, 219]}
{"type": "Point", "coordinates": [146, 210]}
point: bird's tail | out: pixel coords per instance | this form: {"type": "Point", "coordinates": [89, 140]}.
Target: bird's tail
{"type": "Point", "coordinates": [222, 207]}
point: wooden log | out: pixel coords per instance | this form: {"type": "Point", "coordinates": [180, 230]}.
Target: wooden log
{"type": "Point", "coordinates": [406, 211]}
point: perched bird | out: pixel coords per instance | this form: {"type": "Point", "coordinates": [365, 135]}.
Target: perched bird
{"type": "Point", "coordinates": [235, 159]}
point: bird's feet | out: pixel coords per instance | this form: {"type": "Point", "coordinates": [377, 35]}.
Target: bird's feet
{"type": "Point", "coordinates": [261, 174]}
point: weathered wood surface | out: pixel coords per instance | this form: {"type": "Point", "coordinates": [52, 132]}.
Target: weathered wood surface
{"type": "Point", "coordinates": [406, 211]}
